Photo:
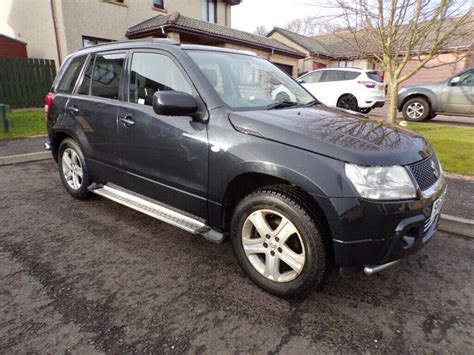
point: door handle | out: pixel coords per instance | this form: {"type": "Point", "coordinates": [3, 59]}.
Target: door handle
{"type": "Point", "coordinates": [73, 109]}
{"type": "Point", "coordinates": [127, 121]}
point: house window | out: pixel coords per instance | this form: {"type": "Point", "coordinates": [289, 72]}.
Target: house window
{"type": "Point", "coordinates": [209, 10]}
{"type": "Point", "coordinates": [159, 4]}
{"type": "Point", "coordinates": [92, 41]}
{"type": "Point", "coordinates": [346, 64]}
{"type": "Point", "coordinates": [118, 2]}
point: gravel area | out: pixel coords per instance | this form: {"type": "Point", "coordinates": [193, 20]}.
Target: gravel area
{"type": "Point", "coordinates": [460, 198]}
{"type": "Point", "coordinates": [96, 277]}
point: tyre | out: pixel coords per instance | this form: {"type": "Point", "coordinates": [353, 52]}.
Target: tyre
{"type": "Point", "coordinates": [431, 116]}
{"type": "Point", "coordinates": [416, 110]}
{"type": "Point", "coordinates": [282, 97]}
{"type": "Point", "coordinates": [279, 241]}
{"type": "Point", "coordinates": [365, 110]}
{"type": "Point", "coordinates": [72, 169]}
{"type": "Point", "coordinates": [348, 102]}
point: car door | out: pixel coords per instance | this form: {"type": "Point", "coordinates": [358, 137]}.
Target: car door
{"type": "Point", "coordinates": [163, 157]}
{"type": "Point", "coordinates": [311, 82]}
{"type": "Point", "coordinates": [458, 97]}
{"type": "Point", "coordinates": [95, 106]}
{"type": "Point", "coordinates": [332, 86]}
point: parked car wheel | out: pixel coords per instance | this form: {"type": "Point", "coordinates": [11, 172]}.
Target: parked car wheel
{"type": "Point", "coordinates": [348, 102]}
{"type": "Point", "coordinates": [279, 242]}
{"type": "Point", "coordinates": [72, 169]}
{"type": "Point", "coordinates": [416, 110]}
{"type": "Point", "coordinates": [283, 97]}
{"type": "Point", "coordinates": [365, 110]}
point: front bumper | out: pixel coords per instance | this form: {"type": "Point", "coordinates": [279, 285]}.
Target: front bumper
{"type": "Point", "coordinates": [368, 233]}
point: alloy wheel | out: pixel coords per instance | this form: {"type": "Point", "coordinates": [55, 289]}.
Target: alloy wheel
{"type": "Point", "coordinates": [72, 169]}
{"type": "Point", "coordinates": [415, 110]}
{"type": "Point", "coordinates": [273, 245]}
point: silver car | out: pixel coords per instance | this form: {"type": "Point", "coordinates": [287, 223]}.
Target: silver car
{"type": "Point", "coordinates": [454, 96]}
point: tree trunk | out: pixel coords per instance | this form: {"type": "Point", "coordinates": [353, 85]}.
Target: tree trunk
{"type": "Point", "coordinates": [392, 108]}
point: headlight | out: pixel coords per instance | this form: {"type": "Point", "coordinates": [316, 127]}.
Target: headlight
{"type": "Point", "coordinates": [381, 182]}
{"type": "Point", "coordinates": [401, 90]}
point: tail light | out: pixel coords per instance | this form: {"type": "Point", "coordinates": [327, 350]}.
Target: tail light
{"type": "Point", "coordinates": [368, 84]}
{"type": "Point", "coordinates": [48, 100]}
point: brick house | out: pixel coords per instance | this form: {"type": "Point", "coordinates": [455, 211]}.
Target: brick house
{"type": "Point", "coordinates": [55, 28]}
{"type": "Point", "coordinates": [335, 50]}
{"type": "Point", "coordinates": [185, 29]}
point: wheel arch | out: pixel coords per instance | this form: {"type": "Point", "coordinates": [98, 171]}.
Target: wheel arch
{"type": "Point", "coordinates": [245, 183]}
{"type": "Point", "coordinates": [429, 96]}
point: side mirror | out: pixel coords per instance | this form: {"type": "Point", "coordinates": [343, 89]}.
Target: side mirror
{"type": "Point", "coordinates": [454, 81]}
{"type": "Point", "coordinates": [174, 103]}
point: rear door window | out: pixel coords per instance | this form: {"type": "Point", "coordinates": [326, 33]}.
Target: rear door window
{"type": "Point", "coordinates": [333, 75]}
{"type": "Point", "coordinates": [103, 75]}
{"type": "Point", "coordinates": [350, 75]}
{"type": "Point", "coordinates": [68, 81]}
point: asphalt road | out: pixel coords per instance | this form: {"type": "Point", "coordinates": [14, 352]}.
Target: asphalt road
{"type": "Point", "coordinates": [94, 277]}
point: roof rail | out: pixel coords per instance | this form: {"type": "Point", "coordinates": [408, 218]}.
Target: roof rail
{"type": "Point", "coordinates": [165, 41]}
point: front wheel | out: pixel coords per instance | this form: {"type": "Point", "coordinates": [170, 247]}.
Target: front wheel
{"type": "Point", "coordinates": [279, 241]}
{"type": "Point", "coordinates": [72, 169]}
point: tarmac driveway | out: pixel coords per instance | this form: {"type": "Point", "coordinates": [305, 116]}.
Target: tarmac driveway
{"type": "Point", "coordinates": [95, 277]}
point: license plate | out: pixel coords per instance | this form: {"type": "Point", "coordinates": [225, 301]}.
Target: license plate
{"type": "Point", "coordinates": [437, 206]}
{"type": "Point", "coordinates": [435, 211]}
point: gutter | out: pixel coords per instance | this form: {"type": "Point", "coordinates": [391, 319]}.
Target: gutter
{"type": "Point", "coordinates": [55, 28]}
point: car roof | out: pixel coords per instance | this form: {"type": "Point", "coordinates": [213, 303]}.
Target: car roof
{"type": "Point", "coordinates": [154, 43]}
{"type": "Point", "coordinates": [345, 69]}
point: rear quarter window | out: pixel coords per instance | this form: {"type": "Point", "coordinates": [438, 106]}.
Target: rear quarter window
{"type": "Point", "coordinates": [375, 76]}
{"type": "Point", "coordinates": [68, 80]}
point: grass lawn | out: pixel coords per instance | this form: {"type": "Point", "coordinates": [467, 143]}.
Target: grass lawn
{"type": "Point", "coordinates": [24, 123]}
{"type": "Point", "coordinates": [453, 145]}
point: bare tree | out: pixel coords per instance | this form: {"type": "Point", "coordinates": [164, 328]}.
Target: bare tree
{"type": "Point", "coordinates": [261, 31]}
{"type": "Point", "coordinates": [395, 32]}
{"type": "Point", "coordinates": [313, 25]}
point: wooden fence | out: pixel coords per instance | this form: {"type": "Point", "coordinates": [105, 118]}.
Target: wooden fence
{"type": "Point", "coordinates": [25, 82]}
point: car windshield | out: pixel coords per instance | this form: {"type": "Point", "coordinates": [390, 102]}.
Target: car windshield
{"type": "Point", "coordinates": [247, 82]}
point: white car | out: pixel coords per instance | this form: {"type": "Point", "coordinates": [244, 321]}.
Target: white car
{"type": "Point", "coordinates": [349, 88]}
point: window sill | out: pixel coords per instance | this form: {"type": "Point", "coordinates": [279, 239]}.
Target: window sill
{"type": "Point", "coordinates": [159, 9]}
{"type": "Point", "coordinates": [115, 3]}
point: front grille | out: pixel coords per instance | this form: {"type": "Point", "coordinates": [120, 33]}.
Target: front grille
{"type": "Point", "coordinates": [425, 172]}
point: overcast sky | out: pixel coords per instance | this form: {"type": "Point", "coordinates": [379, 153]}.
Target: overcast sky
{"type": "Point", "coordinates": [252, 13]}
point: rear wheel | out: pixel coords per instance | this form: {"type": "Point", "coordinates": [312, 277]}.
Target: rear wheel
{"type": "Point", "coordinates": [416, 109]}
{"type": "Point", "coordinates": [365, 110]}
{"type": "Point", "coordinates": [72, 169]}
{"type": "Point", "coordinates": [278, 240]}
{"type": "Point", "coordinates": [348, 102]}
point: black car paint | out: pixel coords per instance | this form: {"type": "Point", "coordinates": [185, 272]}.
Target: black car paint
{"type": "Point", "coordinates": [190, 164]}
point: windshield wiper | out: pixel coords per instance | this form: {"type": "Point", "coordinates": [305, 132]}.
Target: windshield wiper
{"type": "Point", "coordinates": [312, 103]}
{"type": "Point", "coordinates": [281, 104]}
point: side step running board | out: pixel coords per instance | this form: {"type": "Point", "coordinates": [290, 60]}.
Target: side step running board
{"type": "Point", "coordinates": [158, 211]}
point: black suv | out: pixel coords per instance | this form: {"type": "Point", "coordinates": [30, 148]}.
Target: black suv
{"type": "Point", "coordinates": [195, 136]}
